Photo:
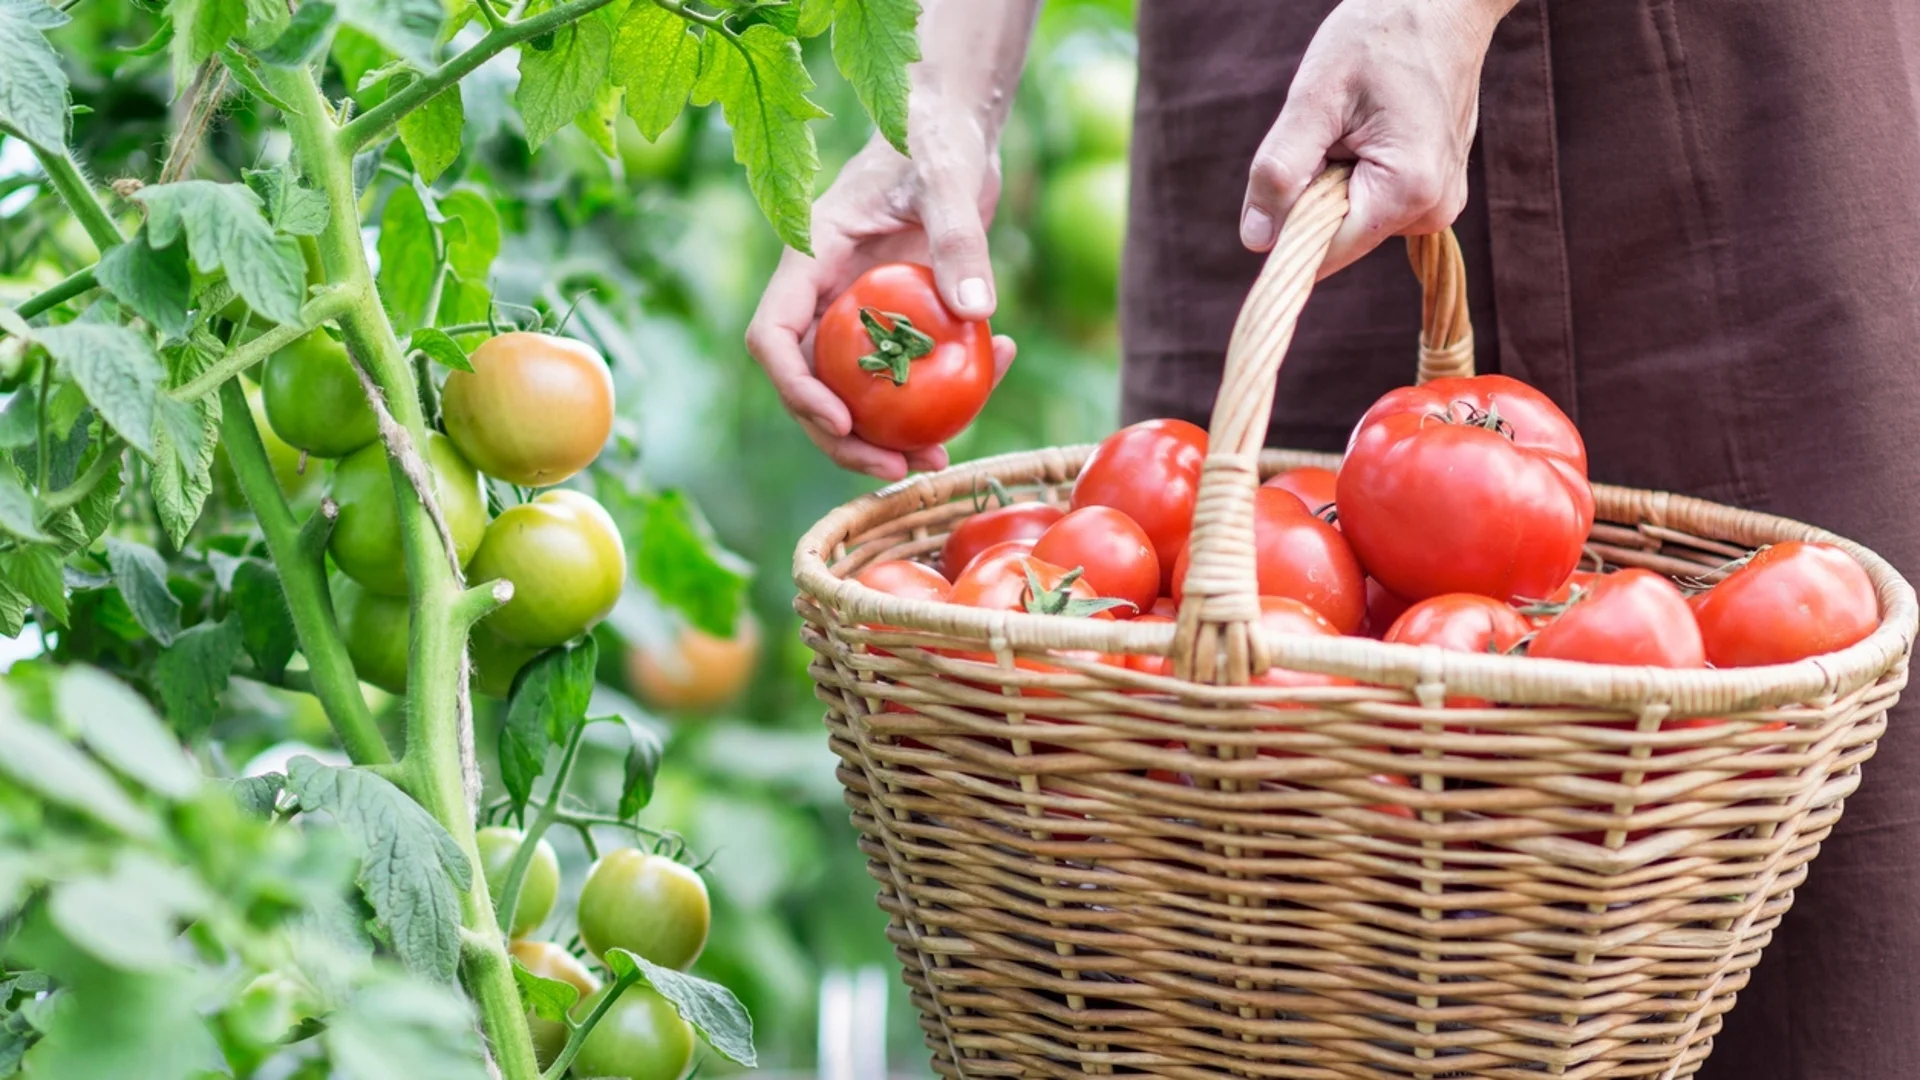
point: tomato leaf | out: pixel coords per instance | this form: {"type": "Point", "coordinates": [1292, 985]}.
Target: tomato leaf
{"type": "Point", "coordinates": [405, 1030]}
{"type": "Point", "coordinates": [18, 509]}
{"type": "Point", "coordinates": [226, 229]}
{"type": "Point", "coordinates": [200, 29]}
{"type": "Point", "coordinates": [550, 697]}
{"type": "Point", "coordinates": [406, 257]}
{"type": "Point", "coordinates": [258, 795]}
{"type": "Point", "coordinates": [761, 84]}
{"type": "Point", "coordinates": [439, 348]}
{"type": "Point", "coordinates": [873, 43]}
{"type": "Point", "coordinates": [411, 871]}
{"type": "Point", "coordinates": [676, 556]}
{"type": "Point", "coordinates": [410, 28]}
{"type": "Point", "coordinates": [121, 729]}
{"type": "Point", "coordinates": [141, 576]}
{"type": "Point", "coordinates": [656, 57]}
{"type": "Point", "coordinates": [304, 35]}
{"type": "Point", "coordinates": [46, 764]}
{"type": "Point", "coordinates": [19, 420]}
{"type": "Point", "coordinates": [183, 449]}
{"type": "Point", "coordinates": [34, 570]}
{"type": "Point", "coordinates": [643, 762]}
{"type": "Point", "coordinates": [156, 285]}
{"type": "Point", "coordinates": [291, 207]}
{"type": "Point", "coordinates": [33, 88]}
{"type": "Point", "coordinates": [81, 525]}
{"type": "Point", "coordinates": [549, 999]}
{"type": "Point", "coordinates": [192, 672]}
{"type": "Point", "coordinates": [559, 83]}
{"type": "Point", "coordinates": [815, 17]}
{"type": "Point", "coordinates": [597, 121]}
{"type": "Point", "coordinates": [266, 626]}
{"type": "Point", "coordinates": [472, 237]}
{"type": "Point", "coordinates": [709, 1007]}
{"type": "Point", "coordinates": [129, 917]}
{"type": "Point", "coordinates": [117, 369]}
{"type": "Point", "coordinates": [431, 133]}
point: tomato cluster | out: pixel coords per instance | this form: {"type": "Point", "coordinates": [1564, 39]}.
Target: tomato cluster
{"type": "Point", "coordinates": [644, 903]}
{"type": "Point", "coordinates": [534, 411]}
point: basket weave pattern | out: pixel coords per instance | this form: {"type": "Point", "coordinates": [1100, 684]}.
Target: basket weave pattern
{"type": "Point", "coordinates": [1094, 870]}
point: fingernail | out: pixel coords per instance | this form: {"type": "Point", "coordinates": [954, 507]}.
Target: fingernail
{"type": "Point", "coordinates": [1256, 227]}
{"type": "Point", "coordinates": [974, 295]}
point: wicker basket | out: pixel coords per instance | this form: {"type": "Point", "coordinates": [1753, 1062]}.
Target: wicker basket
{"type": "Point", "coordinates": [1093, 870]}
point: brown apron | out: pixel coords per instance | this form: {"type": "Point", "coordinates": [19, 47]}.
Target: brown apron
{"type": "Point", "coordinates": [1695, 226]}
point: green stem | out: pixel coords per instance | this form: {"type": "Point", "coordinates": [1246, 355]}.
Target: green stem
{"type": "Point", "coordinates": [241, 357]}
{"type": "Point", "coordinates": [494, 21]}
{"type": "Point", "coordinates": [678, 7]}
{"type": "Point", "coordinates": [578, 1034]}
{"type": "Point", "coordinates": [374, 123]}
{"type": "Point", "coordinates": [107, 462]}
{"type": "Point", "coordinates": [40, 424]}
{"type": "Point", "coordinates": [78, 195]}
{"type": "Point", "coordinates": [304, 581]}
{"type": "Point", "coordinates": [59, 293]}
{"type": "Point", "coordinates": [509, 898]}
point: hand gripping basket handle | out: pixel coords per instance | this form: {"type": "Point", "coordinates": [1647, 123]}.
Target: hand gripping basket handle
{"type": "Point", "coordinates": [1215, 641]}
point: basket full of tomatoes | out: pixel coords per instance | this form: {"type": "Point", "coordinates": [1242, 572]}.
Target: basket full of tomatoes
{"type": "Point", "coordinates": [1180, 756]}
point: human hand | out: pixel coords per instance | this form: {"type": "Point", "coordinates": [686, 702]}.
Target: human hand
{"type": "Point", "coordinates": [931, 209]}
{"type": "Point", "coordinates": [1394, 86]}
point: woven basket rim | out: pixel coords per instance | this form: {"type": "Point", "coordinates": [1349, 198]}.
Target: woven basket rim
{"type": "Point", "coordinates": [1505, 679]}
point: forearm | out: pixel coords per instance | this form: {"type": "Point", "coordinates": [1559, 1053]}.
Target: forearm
{"type": "Point", "coordinates": [972, 52]}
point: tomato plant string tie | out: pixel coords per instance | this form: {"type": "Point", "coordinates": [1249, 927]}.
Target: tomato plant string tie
{"type": "Point", "coordinates": [896, 344]}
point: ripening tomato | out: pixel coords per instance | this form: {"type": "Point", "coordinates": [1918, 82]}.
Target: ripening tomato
{"type": "Point", "coordinates": [1790, 601]}
{"type": "Point", "coordinates": [647, 904]}
{"type": "Point", "coordinates": [695, 672]}
{"type": "Point", "coordinates": [1466, 485]}
{"type": "Point", "coordinates": [550, 961]}
{"type": "Point", "coordinates": [314, 400]}
{"type": "Point", "coordinates": [912, 373]}
{"type": "Point", "coordinates": [534, 410]}
{"type": "Point", "coordinates": [640, 1037]}
{"type": "Point", "coordinates": [539, 886]}
{"type": "Point", "coordinates": [1383, 609]}
{"type": "Point", "coordinates": [496, 661]}
{"type": "Point", "coordinates": [1311, 485]}
{"type": "Point", "coordinates": [366, 535]}
{"type": "Point", "coordinates": [1461, 622]}
{"type": "Point", "coordinates": [1014, 521]}
{"type": "Point", "coordinates": [1632, 617]}
{"type": "Point", "coordinates": [1150, 472]}
{"type": "Point", "coordinates": [1301, 557]}
{"type": "Point", "coordinates": [1114, 553]}
{"type": "Point", "coordinates": [563, 554]}
{"type": "Point", "coordinates": [375, 629]}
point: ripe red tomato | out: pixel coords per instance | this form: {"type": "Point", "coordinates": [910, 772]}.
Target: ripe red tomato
{"type": "Point", "coordinates": [1632, 617]}
{"type": "Point", "coordinates": [1017, 521]}
{"type": "Point", "coordinates": [1466, 485]}
{"type": "Point", "coordinates": [1150, 472]}
{"type": "Point", "coordinates": [911, 372]}
{"type": "Point", "coordinates": [1383, 610]}
{"type": "Point", "coordinates": [1311, 485]}
{"type": "Point", "coordinates": [1115, 554]}
{"type": "Point", "coordinates": [1301, 557]}
{"type": "Point", "coordinates": [1790, 601]}
{"type": "Point", "coordinates": [1165, 605]}
{"type": "Point", "coordinates": [998, 581]}
{"type": "Point", "coordinates": [1152, 665]}
{"type": "Point", "coordinates": [1461, 622]}
{"type": "Point", "coordinates": [905, 578]}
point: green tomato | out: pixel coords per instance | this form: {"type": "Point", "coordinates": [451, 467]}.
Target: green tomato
{"type": "Point", "coordinates": [1094, 113]}
{"type": "Point", "coordinates": [640, 1037]}
{"type": "Point", "coordinates": [1083, 224]}
{"type": "Point", "coordinates": [655, 159]}
{"type": "Point", "coordinates": [496, 661]}
{"type": "Point", "coordinates": [376, 630]}
{"type": "Point", "coordinates": [314, 399]}
{"type": "Point", "coordinates": [538, 887]}
{"type": "Point", "coordinates": [366, 536]}
{"type": "Point", "coordinates": [295, 481]}
{"type": "Point", "coordinates": [550, 961]}
{"type": "Point", "coordinates": [563, 554]}
{"type": "Point", "coordinates": [647, 904]}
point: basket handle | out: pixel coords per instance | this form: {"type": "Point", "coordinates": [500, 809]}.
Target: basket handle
{"type": "Point", "coordinates": [1214, 641]}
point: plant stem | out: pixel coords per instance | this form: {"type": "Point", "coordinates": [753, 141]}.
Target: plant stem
{"type": "Point", "coordinates": [432, 762]}
{"type": "Point", "coordinates": [509, 898]}
{"type": "Point", "coordinates": [578, 1034]}
{"type": "Point", "coordinates": [304, 581]}
{"type": "Point", "coordinates": [374, 123]}
{"type": "Point", "coordinates": [62, 291]}
{"type": "Point", "coordinates": [78, 195]}
{"type": "Point", "coordinates": [83, 485]}
{"type": "Point", "coordinates": [494, 22]}
{"type": "Point", "coordinates": [40, 424]}
{"type": "Point", "coordinates": [326, 306]}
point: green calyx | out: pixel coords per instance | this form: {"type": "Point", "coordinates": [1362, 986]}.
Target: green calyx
{"type": "Point", "coordinates": [1061, 601]}
{"type": "Point", "coordinates": [896, 344]}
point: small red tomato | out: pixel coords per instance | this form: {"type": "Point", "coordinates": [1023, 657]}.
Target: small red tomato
{"type": "Point", "coordinates": [1312, 486]}
{"type": "Point", "coordinates": [903, 577]}
{"type": "Point", "coordinates": [911, 372]}
{"type": "Point", "coordinates": [1150, 472]}
{"type": "Point", "coordinates": [1301, 557]}
{"type": "Point", "coordinates": [1790, 601]}
{"type": "Point", "coordinates": [1461, 622]}
{"type": "Point", "coordinates": [1114, 553]}
{"type": "Point", "coordinates": [1632, 617]}
{"type": "Point", "coordinates": [1015, 521]}
{"type": "Point", "coordinates": [1383, 609]}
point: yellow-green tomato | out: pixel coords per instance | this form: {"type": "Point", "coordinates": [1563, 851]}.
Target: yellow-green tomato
{"type": "Point", "coordinates": [496, 661]}
{"type": "Point", "coordinates": [538, 887]}
{"type": "Point", "coordinates": [314, 400]}
{"type": "Point", "coordinates": [640, 1037]}
{"type": "Point", "coordinates": [534, 410]}
{"type": "Point", "coordinates": [564, 557]}
{"type": "Point", "coordinates": [366, 536]}
{"type": "Point", "coordinates": [647, 904]}
{"type": "Point", "coordinates": [550, 961]}
{"type": "Point", "coordinates": [284, 457]}
{"type": "Point", "coordinates": [376, 629]}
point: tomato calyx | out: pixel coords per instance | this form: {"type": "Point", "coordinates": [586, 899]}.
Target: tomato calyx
{"type": "Point", "coordinates": [1488, 418]}
{"type": "Point", "coordinates": [1707, 579]}
{"type": "Point", "coordinates": [996, 492]}
{"type": "Point", "coordinates": [1553, 609]}
{"type": "Point", "coordinates": [1040, 600]}
{"type": "Point", "coordinates": [896, 344]}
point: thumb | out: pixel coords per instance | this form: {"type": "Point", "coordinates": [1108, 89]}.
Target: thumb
{"type": "Point", "coordinates": [957, 242]}
{"type": "Point", "coordinates": [1292, 154]}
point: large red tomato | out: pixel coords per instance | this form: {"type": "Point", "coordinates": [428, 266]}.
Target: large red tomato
{"type": "Point", "coordinates": [911, 372]}
{"type": "Point", "coordinates": [1301, 557]}
{"type": "Point", "coordinates": [1115, 555]}
{"type": "Point", "coordinates": [1311, 485]}
{"type": "Point", "coordinates": [1633, 617]}
{"type": "Point", "coordinates": [1466, 485]}
{"type": "Point", "coordinates": [1461, 622]}
{"type": "Point", "coordinates": [1150, 472]}
{"type": "Point", "coordinates": [1790, 601]}
{"type": "Point", "coordinates": [1015, 521]}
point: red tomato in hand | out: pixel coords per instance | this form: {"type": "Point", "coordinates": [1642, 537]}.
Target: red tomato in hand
{"type": "Point", "coordinates": [1311, 485]}
{"type": "Point", "coordinates": [1790, 601]}
{"type": "Point", "coordinates": [1633, 617]}
{"type": "Point", "coordinates": [1461, 622]}
{"type": "Point", "coordinates": [1150, 472]}
{"type": "Point", "coordinates": [1383, 610]}
{"type": "Point", "coordinates": [911, 372]}
{"type": "Point", "coordinates": [1301, 557]}
{"type": "Point", "coordinates": [1466, 485]}
{"type": "Point", "coordinates": [1115, 555]}
{"type": "Point", "coordinates": [1016, 521]}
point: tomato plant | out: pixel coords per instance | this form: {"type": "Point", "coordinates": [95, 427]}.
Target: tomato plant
{"type": "Point", "coordinates": [1789, 601]}
{"type": "Point", "coordinates": [1115, 555]}
{"type": "Point", "coordinates": [912, 373]}
{"type": "Point", "coordinates": [376, 631]}
{"type": "Point", "coordinates": [366, 535]}
{"type": "Point", "coordinates": [1150, 472]}
{"type": "Point", "coordinates": [563, 554]}
{"type": "Point", "coordinates": [497, 845]}
{"type": "Point", "coordinates": [640, 1037]}
{"type": "Point", "coordinates": [313, 398]}
{"type": "Point", "coordinates": [550, 961]}
{"type": "Point", "coordinates": [534, 410]}
{"type": "Point", "coordinates": [647, 904]}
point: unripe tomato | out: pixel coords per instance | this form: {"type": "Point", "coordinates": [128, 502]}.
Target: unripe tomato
{"type": "Point", "coordinates": [1015, 521]}
{"type": "Point", "coordinates": [376, 629]}
{"type": "Point", "coordinates": [496, 661]}
{"type": "Point", "coordinates": [1114, 554]}
{"type": "Point", "coordinates": [538, 887]}
{"type": "Point", "coordinates": [314, 399]}
{"type": "Point", "coordinates": [366, 537]}
{"type": "Point", "coordinates": [647, 904]}
{"type": "Point", "coordinates": [1150, 472]}
{"type": "Point", "coordinates": [1083, 226]}
{"type": "Point", "coordinates": [294, 481]}
{"type": "Point", "coordinates": [640, 1037]}
{"type": "Point", "coordinates": [912, 373]}
{"type": "Point", "coordinates": [563, 554]}
{"type": "Point", "coordinates": [1790, 601]}
{"type": "Point", "coordinates": [550, 961]}
{"type": "Point", "coordinates": [695, 672]}
{"type": "Point", "coordinates": [535, 409]}
{"type": "Point", "coordinates": [1094, 116]}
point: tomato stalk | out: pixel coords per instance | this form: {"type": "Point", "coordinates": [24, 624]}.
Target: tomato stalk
{"type": "Point", "coordinates": [896, 344]}
{"type": "Point", "coordinates": [509, 898]}
{"type": "Point", "coordinates": [77, 194]}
